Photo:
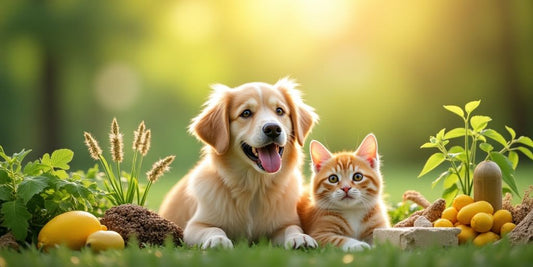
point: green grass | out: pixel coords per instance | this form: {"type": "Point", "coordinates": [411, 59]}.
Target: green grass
{"type": "Point", "coordinates": [265, 255]}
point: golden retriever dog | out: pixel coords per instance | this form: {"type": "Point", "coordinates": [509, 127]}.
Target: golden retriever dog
{"type": "Point", "coordinates": [248, 182]}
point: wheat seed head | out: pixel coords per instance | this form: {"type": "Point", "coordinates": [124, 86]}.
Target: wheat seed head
{"type": "Point", "coordinates": [116, 140]}
{"type": "Point", "coordinates": [147, 136]}
{"type": "Point", "coordinates": [92, 144]}
{"type": "Point", "coordinates": [159, 168]}
{"type": "Point", "coordinates": [138, 136]}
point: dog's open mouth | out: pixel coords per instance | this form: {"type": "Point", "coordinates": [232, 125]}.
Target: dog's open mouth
{"type": "Point", "coordinates": [268, 158]}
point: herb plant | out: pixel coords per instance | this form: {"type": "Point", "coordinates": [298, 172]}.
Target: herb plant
{"type": "Point", "coordinates": [123, 187]}
{"type": "Point", "coordinates": [473, 138]}
{"type": "Point", "coordinates": [34, 193]}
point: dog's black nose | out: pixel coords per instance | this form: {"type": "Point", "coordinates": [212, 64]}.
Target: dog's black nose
{"type": "Point", "coordinates": [272, 130]}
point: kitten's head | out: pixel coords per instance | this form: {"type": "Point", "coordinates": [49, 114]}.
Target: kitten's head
{"type": "Point", "coordinates": [347, 179]}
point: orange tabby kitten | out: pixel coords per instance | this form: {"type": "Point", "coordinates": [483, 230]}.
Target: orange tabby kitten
{"type": "Point", "coordinates": [345, 203]}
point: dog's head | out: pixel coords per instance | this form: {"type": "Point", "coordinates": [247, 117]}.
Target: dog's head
{"type": "Point", "coordinates": [256, 121]}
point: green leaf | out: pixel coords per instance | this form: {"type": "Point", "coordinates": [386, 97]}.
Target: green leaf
{"type": "Point", "coordinates": [513, 158]}
{"type": "Point", "coordinates": [507, 170]}
{"type": "Point", "coordinates": [61, 157]}
{"type": "Point", "coordinates": [16, 218]}
{"type": "Point", "coordinates": [46, 160]}
{"type": "Point", "coordinates": [441, 176]}
{"type": "Point", "coordinates": [450, 193]}
{"type": "Point", "coordinates": [456, 110]}
{"type": "Point", "coordinates": [440, 134]}
{"type": "Point", "coordinates": [429, 145]}
{"type": "Point", "coordinates": [471, 106]}
{"type": "Point", "coordinates": [457, 132]}
{"type": "Point", "coordinates": [525, 140]}
{"type": "Point", "coordinates": [432, 162]}
{"type": "Point", "coordinates": [73, 188]}
{"type": "Point", "coordinates": [526, 152]}
{"type": "Point", "coordinates": [511, 132]}
{"type": "Point", "coordinates": [6, 192]}
{"type": "Point", "coordinates": [479, 123]}
{"type": "Point", "coordinates": [19, 157]}
{"type": "Point", "coordinates": [457, 152]}
{"type": "Point", "coordinates": [35, 168]}
{"type": "Point", "coordinates": [31, 186]}
{"type": "Point", "coordinates": [486, 147]}
{"type": "Point", "coordinates": [450, 180]}
{"type": "Point", "coordinates": [492, 134]}
{"type": "Point", "coordinates": [4, 177]}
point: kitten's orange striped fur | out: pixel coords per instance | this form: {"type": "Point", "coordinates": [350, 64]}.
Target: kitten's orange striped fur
{"type": "Point", "coordinates": [344, 205]}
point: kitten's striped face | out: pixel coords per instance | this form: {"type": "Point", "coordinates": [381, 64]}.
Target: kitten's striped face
{"type": "Point", "coordinates": [346, 181]}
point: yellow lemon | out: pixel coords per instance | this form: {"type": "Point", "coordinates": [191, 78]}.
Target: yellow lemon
{"type": "Point", "coordinates": [104, 240]}
{"type": "Point", "coordinates": [500, 218]}
{"type": "Point", "coordinates": [450, 214]}
{"type": "Point", "coordinates": [467, 212]}
{"type": "Point", "coordinates": [485, 238]}
{"type": "Point", "coordinates": [506, 228]}
{"type": "Point", "coordinates": [70, 228]}
{"type": "Point", "coordinates": [482, 222]}
{"type": "Point", "coordinates": [466, 234]}
{"type": "Point", "coordinates": [442, 223]}
{"type": "Point", "coordinates": [461, 200]}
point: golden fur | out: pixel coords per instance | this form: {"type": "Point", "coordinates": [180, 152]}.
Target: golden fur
{"type": "Point", "coordinates": [228, 196]}
{"type": "Point", "coordinates": [344, 204]}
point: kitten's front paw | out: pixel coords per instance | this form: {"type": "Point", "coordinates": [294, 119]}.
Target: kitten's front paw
{"type": "Point", "coordinates": [217, 241]}
{"type": "Point", "coordinates": [295, 241]}
{"type": "Point", "coordinates": [353, 245]}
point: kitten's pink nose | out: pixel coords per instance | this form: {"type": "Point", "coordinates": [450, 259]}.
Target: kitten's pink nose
{"type": "Point", "coordinates": [346, 189]}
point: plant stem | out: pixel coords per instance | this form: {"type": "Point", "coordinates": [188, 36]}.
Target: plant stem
{"type": "Point", "coordinates": [137, 181]}
{"type": "Point", "coordinates": [467, 164]}
{"type": "Point", "coordinates": [145, 194]}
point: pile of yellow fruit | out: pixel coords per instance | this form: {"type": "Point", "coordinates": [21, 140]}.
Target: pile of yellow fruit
{"type": "Point", "coordinates": [477, 220]}
{"type": "Point", "coordinates": [78, 229]}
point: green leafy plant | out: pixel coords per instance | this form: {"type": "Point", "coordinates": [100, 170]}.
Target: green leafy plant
{"type": "Point", "coordinates": [473, 137]}
{"type": "Point", "coordinates": [401, 211]}
{"type": "Point", "coordinates": [124, 187]}
{"type": "Point", "coordinates": [34, 193]}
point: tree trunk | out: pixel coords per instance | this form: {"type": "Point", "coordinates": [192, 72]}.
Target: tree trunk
{"type": "Point", "coordinates": [523, 232]}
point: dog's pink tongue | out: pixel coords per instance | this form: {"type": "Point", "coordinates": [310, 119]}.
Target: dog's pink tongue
{"type": "Point", "coordinates": [270, 158]}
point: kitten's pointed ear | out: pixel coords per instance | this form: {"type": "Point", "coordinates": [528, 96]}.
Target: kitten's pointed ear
{"type": "Point", "coordinates": [319, 154]}
{"type": "Point", "coordinates": [369, 150]}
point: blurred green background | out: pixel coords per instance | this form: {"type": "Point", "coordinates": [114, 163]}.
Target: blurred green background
{"type": "Point", "coordinates": [385, 67]}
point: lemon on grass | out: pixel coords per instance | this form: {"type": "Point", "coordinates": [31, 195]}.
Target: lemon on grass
{"type": "Point", "coordinates": [485, 238]}
{"type": "Point", "coordinates": [70, 229]}
{"type": "Point", "coordinates": [104, 240]}
{"type": "Point", "coordinates": [506, 228]}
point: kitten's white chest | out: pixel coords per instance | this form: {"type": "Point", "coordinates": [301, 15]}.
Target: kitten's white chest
{"type": "Point", "coordinates": [354, 219]}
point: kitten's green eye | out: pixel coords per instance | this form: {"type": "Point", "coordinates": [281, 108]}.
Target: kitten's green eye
{"type": "Point", "coordinates": [357, 176]}
{"type": "Point", "coordinates": [246, 113]}
{"type": "Point", "coordinates": [333, 179]}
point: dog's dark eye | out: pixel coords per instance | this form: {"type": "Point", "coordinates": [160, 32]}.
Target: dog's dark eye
{"type": "Point", "coordinates": [357, 176]}
{"type": "Point", "coordinates": [333, 179]}
{"type": "Point", "coordinates": [280, 111]}
{"type": "Point", "coordinates": [246, 113]}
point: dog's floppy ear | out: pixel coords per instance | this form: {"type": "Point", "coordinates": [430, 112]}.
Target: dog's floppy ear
{"type": "Point", "coordinates": [303, 117]}
{"type": "Point", "coordinates": [212, 125]}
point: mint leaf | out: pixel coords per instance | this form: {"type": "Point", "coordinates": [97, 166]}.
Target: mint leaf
{"type": "Point", "coordinates": [479, 122]}
{"type": "Point", "coordinates": [4, 177]}
{"type": "Point", "coordinates": [5, 192]}
{"type": "Point", "coordinates": [457, 132]}
{"type": "Point", "coordinates": [492, 134]}
{"type": "Point", "coordinates": [35, 168]}
{"type": "Point", "coordinates": [511, 131]}
{"type": "Point", "coordinates": [31, 186]}
{"type": "Point", "coordinates": [525, 140]}
{"type": "Point", "coordinates": [73, 188]}
{"type": "Point", "coordinates": [16, 218]}
{"type": "Point", "coordinates": [61, 157]}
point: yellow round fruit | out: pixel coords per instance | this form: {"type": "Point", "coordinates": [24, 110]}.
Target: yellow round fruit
{"type": "Point", "coordinates": [70, 229]}
{"type": "Point", "coordinates": [442, 223]}
{"type": "Point", "coordinates": [482, 222]}
{"type": "Point", "coordinates": [506, 228]}
{"type": "Point", "coordinates": [461, 200]}
{"type": "Point", "coordinates": [501, 217]}
{"type": "Point", "coordinates": [104, 240]}
{"type": "Point", "coordinates": [485, 238]}
{"type": "Point", "coordinates": [467, 212]}
{"type": "Point", "coordinates": [467, 234]}
{"type": "Point", "coordinates": [450, 214]}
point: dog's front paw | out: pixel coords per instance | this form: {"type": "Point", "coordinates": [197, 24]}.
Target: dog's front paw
{"type": "Point", "coordinates": [353, 245]}
{"type": "Point", "coordinates": [217, 241]}
{"type": "Point", "coordinates": [298, 240]}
